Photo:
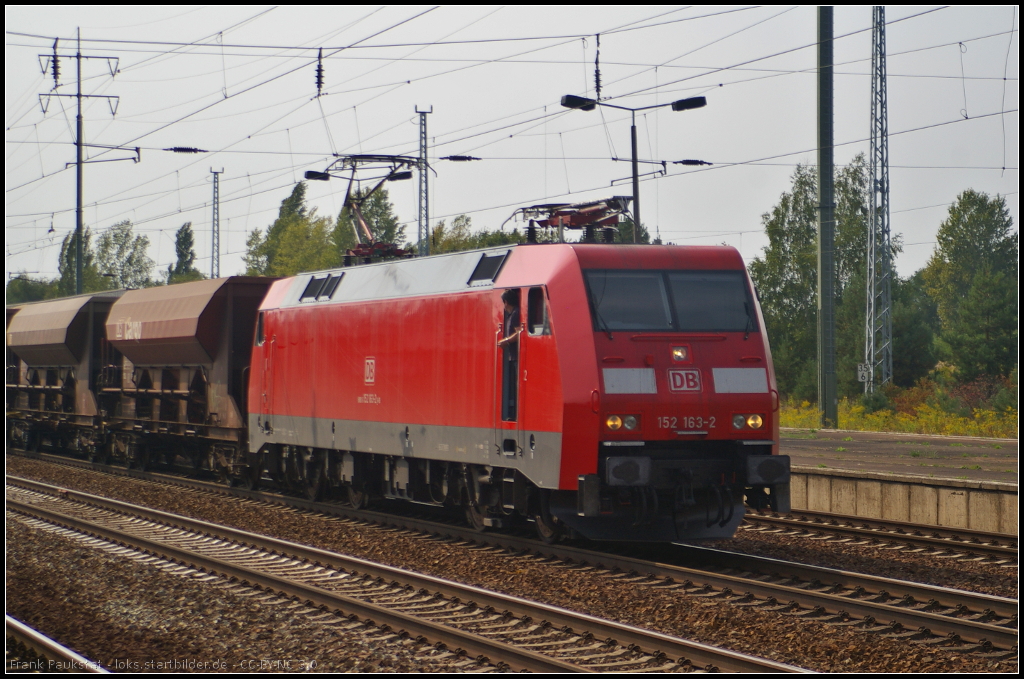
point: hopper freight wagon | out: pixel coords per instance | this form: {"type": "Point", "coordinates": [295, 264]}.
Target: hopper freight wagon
{"type": "Point", "coordinates": [54, 372]}
{"type": "Point", "coordinates": [175, 377]}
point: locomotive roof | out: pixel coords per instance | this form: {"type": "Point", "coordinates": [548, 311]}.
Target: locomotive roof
{"type": "Point", "coordinates": [457, 272]}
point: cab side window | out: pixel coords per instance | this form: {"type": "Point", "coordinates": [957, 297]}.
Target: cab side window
{"type": "Point", "coordinates": [538, 322]}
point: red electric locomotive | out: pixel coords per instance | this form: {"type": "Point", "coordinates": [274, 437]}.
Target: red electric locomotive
{"type": "Point", "coordinates": [616, 392]}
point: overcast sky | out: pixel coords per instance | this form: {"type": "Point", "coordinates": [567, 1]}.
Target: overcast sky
{"type": "Point", "coordinates": [239, 82]}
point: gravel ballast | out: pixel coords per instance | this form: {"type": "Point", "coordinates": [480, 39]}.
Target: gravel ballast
{"type": "Point", "coordinates": [782, 638]}
{"type": "Point", "coordinates": [132, 617]}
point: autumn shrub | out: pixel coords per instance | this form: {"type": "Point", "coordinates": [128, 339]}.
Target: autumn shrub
{"type": "Point", "coordinates": [937, 404]}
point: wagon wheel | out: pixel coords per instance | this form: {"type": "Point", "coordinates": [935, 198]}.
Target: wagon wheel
{"type": "Point", "coordinates": [138, 456]}
{"type": "Point", "coordinates": [358, 499]}
{"type": "Point", "coordinates": [99, 454]}
{"type": "Point", "coordinates": [33, 440]}
{"type": "Point", "coordinates": [316, 476]}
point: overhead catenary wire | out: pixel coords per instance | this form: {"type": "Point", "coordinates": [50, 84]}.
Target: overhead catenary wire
{"type": "Point", "coordinates": [270, 151]}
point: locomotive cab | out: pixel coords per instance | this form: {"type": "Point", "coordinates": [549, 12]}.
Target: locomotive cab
{"type": "Point", "coordinates": [687, 405]}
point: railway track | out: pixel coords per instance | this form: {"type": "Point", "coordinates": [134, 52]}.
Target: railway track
{"type": "Point", "coordinates": [919, 613]}
{"type": "Point", "coordinates": [29, 650]}
{"type": "Point", "coordinates": [997, 548]}
{"type": "Point", "coordinates": [513, 632]}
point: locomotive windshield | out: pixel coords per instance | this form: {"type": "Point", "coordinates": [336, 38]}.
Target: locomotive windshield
{"type": "Point", "coordinates": [681, 301]}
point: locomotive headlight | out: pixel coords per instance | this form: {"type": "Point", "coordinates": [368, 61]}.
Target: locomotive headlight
{"type": "Point", "coordinates": [680, 354]}
{"type": "Point", "coordinates": [754, 421]}
{"type": "Point", "coordinates": [613, 422]}
{"type": "Point", "coordinates": [738, 421]}
{"type": "Point", "coordinates": [629, 422]}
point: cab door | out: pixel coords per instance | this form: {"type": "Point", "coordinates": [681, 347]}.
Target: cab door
{"type": "Point", "coordinates": [539, 381]}
{"type": "Point", "coordinates": [508, 371]}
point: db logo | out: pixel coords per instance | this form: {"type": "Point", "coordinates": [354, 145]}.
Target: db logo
{"type": "Point", "coordinates": [370, 370]}
{"type": "Point", "coordinates": [684, 380]}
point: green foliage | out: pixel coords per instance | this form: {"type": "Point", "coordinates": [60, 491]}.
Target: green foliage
{"type": "Point", "coordinates": [460, 237]}
{"type": "Point", "coordinates": [786, 281]}
{"type": "Point", "coordinates": [121, 253]}
{"type": "Point", "coordinates": [22, 288]}
{"type": "Point", "coordinates": [975, 236]}
{"type": "Point", "coordinates": [786, 278]}
{"type": "Point", "coordinates": [981, 336]}
{"type": "Point", "coordinates": [183, 270]}
{"type": "Point", "coordinates": [972, 276]}
{"type": "Point", "coordinates": [92, 281]}
{"type": "Point", "coordinates": [380, 216]}
{"type": "Point", "coordinates": [625, 234]}
{"type": "Point", "coordinates": [915, 321]}
{"type": "Point", "coordinates": [875, 401]}
{"type": "Point", "coordinates": [297, 241]}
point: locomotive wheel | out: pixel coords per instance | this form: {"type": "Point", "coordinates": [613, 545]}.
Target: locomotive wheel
{"type": "Point", "coordinates": [475, 517]}
{"type": "Point", "coordinates": [316, 476]}
{"type": "Point", "coordinates": [548, 530]}
{"type": "Point", "coordinates": [250, 479]}
{"type": "Point", "coordinates": [358, 499]}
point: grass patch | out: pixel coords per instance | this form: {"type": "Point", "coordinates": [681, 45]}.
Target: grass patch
{"type": "Point", "coordinates": [821, 466]}
{"type": "Point", "coordinates": [840, 449]}
{"type": "Point", "coordinates": [847, 438]}
{"type": "Point", "coordinates": [915, 454]}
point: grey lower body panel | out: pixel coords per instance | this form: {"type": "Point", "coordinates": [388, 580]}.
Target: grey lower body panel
{"type": "Point", "coordinates": [540, 462]}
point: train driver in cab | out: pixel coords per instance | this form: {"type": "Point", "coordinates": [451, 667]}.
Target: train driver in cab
{"type": "Point", "coordinates": [510, 345]}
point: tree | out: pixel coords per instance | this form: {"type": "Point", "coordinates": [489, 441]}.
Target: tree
{"type": "Point", "coordinates": [972, 276]}
{"type": "Point", "coordinates": [786, 278]}
{"type": "Point", "coordinates": [915, 323]}
{"type": "Point", "coordinates": [980, 338]}
{"type": "Point", "coordinates": [380, 216]}
{"type": "Point", "coordinates": [183, 270]}
{"type": "Point", "coordinates": [625, 234]}
{"type": "Point", "coordinates": [22, 288]}
{"type": "Point", "coordinates": [121, 253]}
{"type": "Point", "coordinates": [92, 281]}
{"type": "Point", "coordinates": [460, 237]}
{"type": "Point", "coordinates": [297, 241]}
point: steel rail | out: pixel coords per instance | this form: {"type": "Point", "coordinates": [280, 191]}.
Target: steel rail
{"type": "Point", "coordinates": [645, 640]}
{"type": "Point", "coordinates": [472, 644]}
{"type": "Point", "coordinates": [59, 658]}
{"type": "Point", "coordinates": [982, 543]}
{"type": "Point", "coordinates": [968, 630]}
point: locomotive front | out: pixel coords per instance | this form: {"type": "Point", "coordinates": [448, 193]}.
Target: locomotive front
{"type": "Point", "coordinates": [687, 406]}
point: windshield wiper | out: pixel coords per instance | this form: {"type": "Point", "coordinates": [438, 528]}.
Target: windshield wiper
{"type": "Point", "coordinates": [750, 321]}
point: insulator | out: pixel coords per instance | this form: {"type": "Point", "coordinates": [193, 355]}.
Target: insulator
{"type": "Point", "coordinates": [320, 72]}
{"type": "Point", "coordinates": [185, 149]}
{"type": "Point", "coordinates": [609, 234]}
{"type": "Point", "coordinates": [56, 64]}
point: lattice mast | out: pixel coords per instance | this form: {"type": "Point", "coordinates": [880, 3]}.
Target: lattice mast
{"type": "Point", "coordinates": [878, 320]}
{"type": "Point", "coordinates": [423, 208]}
{"type": "Point", "coordinates": [215, 248]}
